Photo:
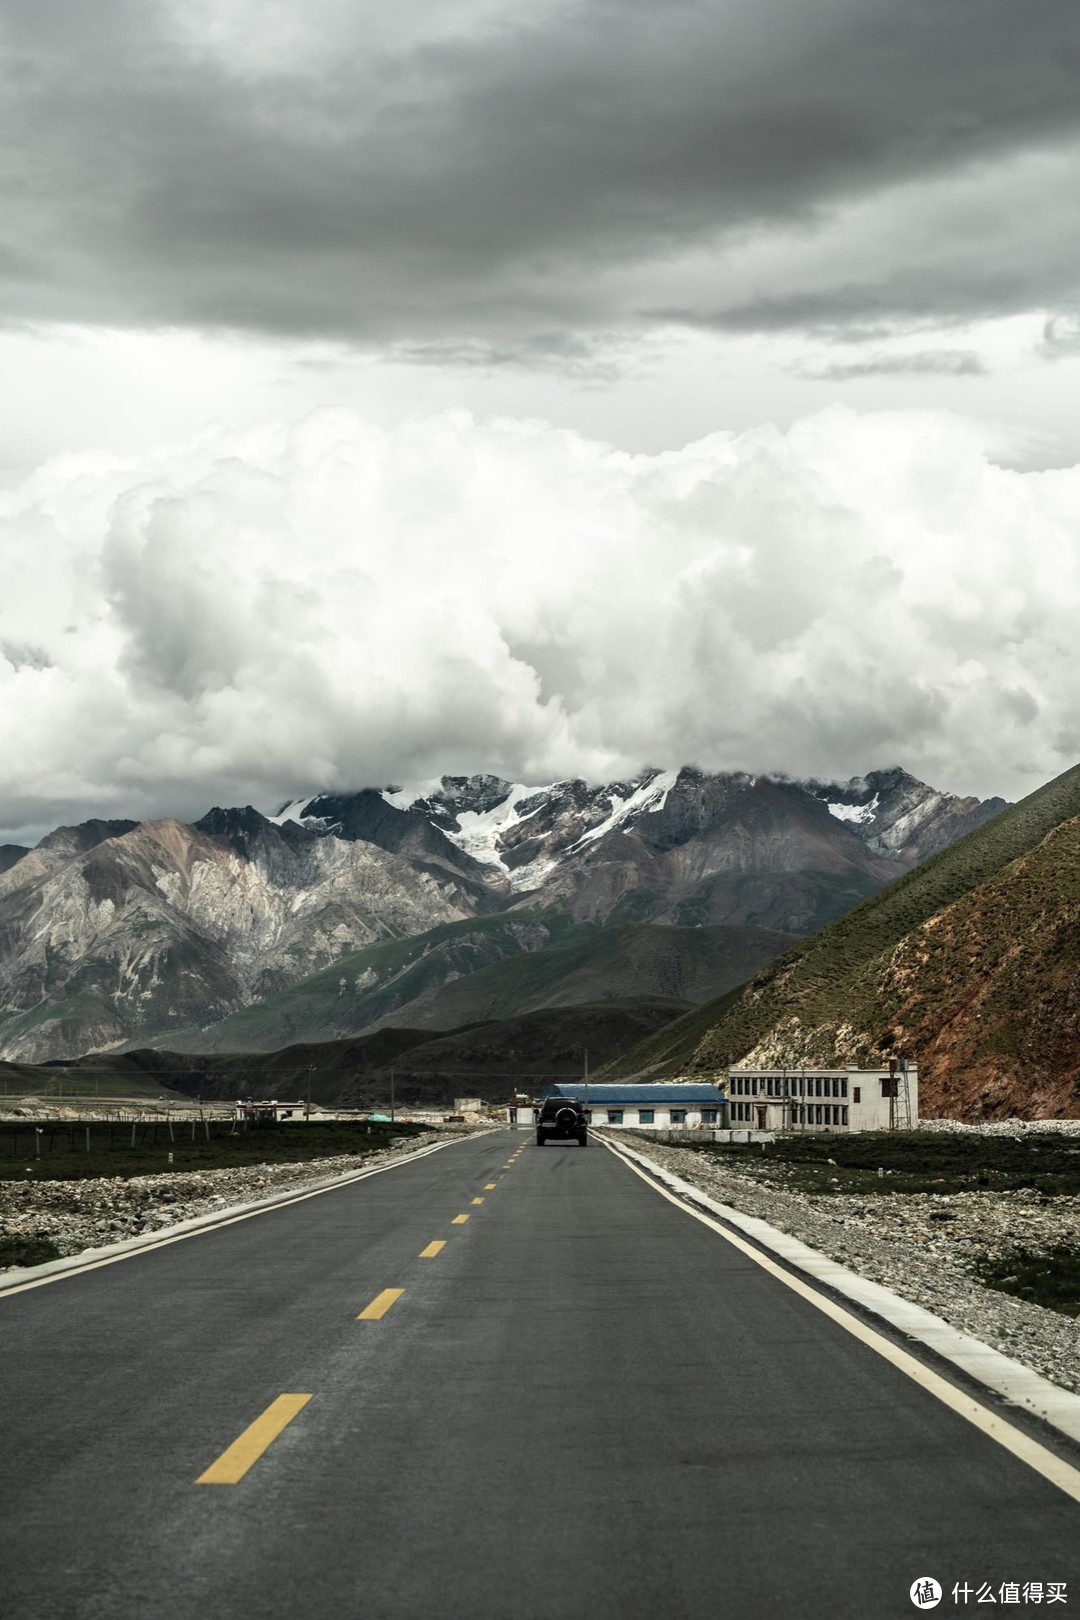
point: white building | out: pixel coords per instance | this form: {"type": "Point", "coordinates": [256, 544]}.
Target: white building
{"type": "Point", "coordinates": [825, 1099]}
{"type": "Point", "coordinates": [660, 1107]}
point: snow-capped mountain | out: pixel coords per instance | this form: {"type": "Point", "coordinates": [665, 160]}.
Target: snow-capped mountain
{"type": "Point", "coordinates": [120, 931]}
{"type": "Point", "coordinates": [518, 832]}
{"type": "Point", "coordinates": [898, 815]}
{"type": "Point", "coordinates": [520, 836]}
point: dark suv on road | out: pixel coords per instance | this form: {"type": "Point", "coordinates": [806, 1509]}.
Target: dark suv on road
{"type": "Point", "coordinates": [561, 1119]}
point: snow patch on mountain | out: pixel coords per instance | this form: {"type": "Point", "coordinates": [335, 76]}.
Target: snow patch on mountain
{"type": "Point", "coordinates": [857, 813]}
{"type": "Point", "coordinates": [479, 832]}
{"type": "Point", "coordinates": [651, 795]}
{"type": "Point", "coordinates": [295, 812]}
{"type": "Point", "coordinates": [404, 798]}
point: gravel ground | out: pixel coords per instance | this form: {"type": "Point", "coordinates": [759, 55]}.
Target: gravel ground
{"type": "Point", "coordinates": [922, 1246]}
{"type": "Point", "coordinates": [78, 1215]}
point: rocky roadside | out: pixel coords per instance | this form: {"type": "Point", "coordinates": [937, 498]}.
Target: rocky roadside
{"type": "Point", "coordinates": [922, 1246]}
{"type": "Point", "coordinates": [78, 1215]}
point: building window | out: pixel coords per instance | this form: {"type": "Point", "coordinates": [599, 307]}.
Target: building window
{"type": "Point", "coordinates": [614, 1116]}
{"type": "Point", "coordinates": [889, 1087]}
{"type": "Point", "coordinates": [843, 1116]}
{"type": "Point", "coordinates": [856, 1094]}
{"type": "Point", "coordinates": [708, 1116]}
{"type": "Point", "coordinates": [843, 1088]}
{"type": "Point", "coordinates": [678, 1116]}
{"type": "Point", "coordinates": [645, 1116]}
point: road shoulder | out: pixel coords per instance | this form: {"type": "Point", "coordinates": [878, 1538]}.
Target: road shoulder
{"type": "Point", "coordinates": [975, 1361]}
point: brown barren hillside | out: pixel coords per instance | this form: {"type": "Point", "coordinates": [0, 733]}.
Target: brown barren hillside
{"type": "Point", "coordinates": [987, 993]}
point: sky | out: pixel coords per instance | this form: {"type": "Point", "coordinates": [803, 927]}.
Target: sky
{"type": "Point", "coordinates": [552, 390]}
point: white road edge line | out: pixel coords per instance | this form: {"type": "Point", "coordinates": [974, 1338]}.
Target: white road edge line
{"type": "Point", "coordinates": [93, 1259]}
{"type": "Point", "coordinates": [1060, 1409]}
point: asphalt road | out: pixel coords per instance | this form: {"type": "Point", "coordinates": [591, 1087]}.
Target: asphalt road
{"type": "Point", "coordinates": [585, 1404]}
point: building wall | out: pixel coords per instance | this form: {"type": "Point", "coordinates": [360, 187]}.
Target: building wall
{"type": "Point", "coordinates": [823, 1099]}
{"type": "Point", "coordinates": [656, 1116]}
{"type": "Point", "coordinates": [651, 1116]}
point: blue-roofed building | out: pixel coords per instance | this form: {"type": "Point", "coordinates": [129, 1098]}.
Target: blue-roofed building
{"type": "Point", "coordinates": [677, 1106]}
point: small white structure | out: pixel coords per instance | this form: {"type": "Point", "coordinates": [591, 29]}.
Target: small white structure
{"type": "Point", "coordinates": [268, 1112]}
{"type": "Point", "coordinates": [660, 1106]}
{"type": "Point", "coordinates": [850, 1099]}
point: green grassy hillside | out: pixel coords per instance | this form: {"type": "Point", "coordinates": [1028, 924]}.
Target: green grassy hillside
{"type": "Point", "coordinates": [631, 960]}
{"type": "Point", "coordinates": [492, 968]}
{"type": "Point", "coordinates": [378, 981]}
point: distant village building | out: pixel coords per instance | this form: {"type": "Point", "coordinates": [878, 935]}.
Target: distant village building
{"type": "Point", "coordinates": [847, 1099]}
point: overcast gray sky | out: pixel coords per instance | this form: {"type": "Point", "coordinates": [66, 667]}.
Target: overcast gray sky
{"type": "Point", "coordinates": [676, 234]}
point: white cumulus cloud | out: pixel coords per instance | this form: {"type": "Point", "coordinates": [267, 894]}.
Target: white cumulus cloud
{"type": "Point", "coordinates": [328, 603]}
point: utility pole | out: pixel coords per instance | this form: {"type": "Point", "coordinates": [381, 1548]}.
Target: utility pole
{"type": "Point", "coordinates": [307, 1105]}
{"type": "Point", "coordinates": [586, 1077]}
{"type": "Point", "coordinates": [391, 1096]}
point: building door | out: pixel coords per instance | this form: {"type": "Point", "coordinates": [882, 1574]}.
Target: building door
{"type": "Point", "coordinates": [761, 1112]}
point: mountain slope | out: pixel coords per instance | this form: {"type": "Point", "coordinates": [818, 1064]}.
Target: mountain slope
{"type": "Point", "coordinates": [168, 925]}
{"type": "Point", "coordinates": [430, 1067]}
{"type": "Point", "coordinates": [898, 815]}
{"type": "Point", "coordinates": [830, 999]}
{"type": "Point", "coordinates": [631, 960]}
{"type": "Point", "coordinates": [727, 849]}
{"type": "Point", "coordinates": [376, 984]}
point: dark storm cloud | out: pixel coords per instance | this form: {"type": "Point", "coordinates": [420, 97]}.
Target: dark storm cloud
{"type": "Point", "coordinates": [496, 174]}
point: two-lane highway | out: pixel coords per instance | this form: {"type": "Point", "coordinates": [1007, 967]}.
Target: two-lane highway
{"type": "Point", "coordinates": [492, 1382]}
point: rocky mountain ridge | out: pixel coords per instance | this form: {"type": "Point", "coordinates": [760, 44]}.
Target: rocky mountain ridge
{"type": "Point", "coordinates": [114, 932]}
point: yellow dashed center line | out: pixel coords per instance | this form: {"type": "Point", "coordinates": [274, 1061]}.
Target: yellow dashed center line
{"type": "Point", "coordinates": [459, 1220]}
{"type": "Point", "coordinates": [489, 1186]}
{"type": "Point", "coordinates": [380, 1305]}
{"type": "Point", "coordinates": [234, 1463]}
{"type": "Point", "coordinates": [432, 1249]}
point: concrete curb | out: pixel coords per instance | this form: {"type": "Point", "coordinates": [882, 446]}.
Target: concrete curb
{"type": "Point", "coordinates": [14, 1281]}
{"type": "Point", "coordinates": [1017, 1385]}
